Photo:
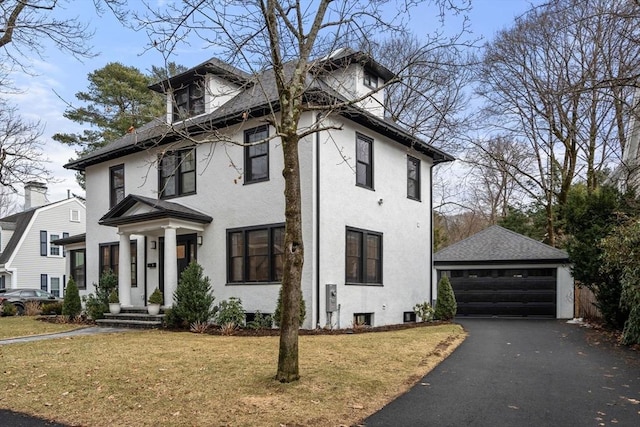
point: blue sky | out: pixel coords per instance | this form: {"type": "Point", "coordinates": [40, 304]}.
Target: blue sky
{"type": "Point", "coordinates": [59, 76]}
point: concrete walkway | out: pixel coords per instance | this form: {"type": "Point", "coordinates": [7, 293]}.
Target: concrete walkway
{"type": "Point", "coordinates": [76, 332]}
{"type": "Point", "coordinates": [513, 372]}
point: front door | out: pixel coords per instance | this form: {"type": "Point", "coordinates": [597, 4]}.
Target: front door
{"type": "Point", "coordinates": [185, 252]}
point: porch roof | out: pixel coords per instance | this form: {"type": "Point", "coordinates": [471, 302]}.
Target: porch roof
{"type": "Point", "coordinates": [136, 209]}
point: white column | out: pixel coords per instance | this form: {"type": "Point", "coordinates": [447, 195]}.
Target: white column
{"type": "Point", "coordinates": [170, 265]}
{"type": "Point", "coordinates": [124, 270]}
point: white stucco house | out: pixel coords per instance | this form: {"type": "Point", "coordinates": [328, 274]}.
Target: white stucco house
{"type": "Point", "coordinates": [205, 183]}
{"type": "Point", "coordinates": [30, 256]}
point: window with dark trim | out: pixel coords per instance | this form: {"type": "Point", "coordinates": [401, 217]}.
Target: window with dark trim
{"type": "Point", "coordinates": [409, 317]}
{"type": "Point", "coordinates": [78, 267]}
{"type": "Point", "coordinates": [116, 185]}
{"type": "Point", "coordinates": [364, 161]}
{"type": "Point", "coordinates": [255, 254]}
{"type": "Point", "coordinates": [188, 101]}
{"type": "Point", "coordinates": [413, 178]}
{"type": "Point", "coordinates": [109, 257]}
{"type": "Point", "coordinates": [370, 80]}
{"type": "Point", "coordinates": [363, 319]}
{"type": "Point", "coordinates": [256, 156]}
{"type": "Point", "coordinates": [3, 284]}
{"type": "Point", "coordinates": [177, 173]}
{"type": "Point", "coordinates": [363, 257]}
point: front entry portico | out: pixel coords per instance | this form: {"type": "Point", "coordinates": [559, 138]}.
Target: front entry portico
{"type": "Point", "coordinates": [160, 220]}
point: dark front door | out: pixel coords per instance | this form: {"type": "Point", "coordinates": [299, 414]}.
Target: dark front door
{"type": "Point", "coordinates": [185, 252]}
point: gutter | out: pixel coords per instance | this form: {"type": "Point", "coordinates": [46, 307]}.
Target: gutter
{"type": "Point", "coordinates": [318, 116]}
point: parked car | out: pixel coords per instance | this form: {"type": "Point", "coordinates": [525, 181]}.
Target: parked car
{"type": "Point", "coordinates": [19, 297]}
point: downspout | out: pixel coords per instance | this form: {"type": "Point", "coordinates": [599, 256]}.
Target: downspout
{"type": "Point", "coordinates": [431, 268]}
{"type": "Point", "coordinates": [146, 262]}
{"type": "Point", "coordinates": [319, 115]}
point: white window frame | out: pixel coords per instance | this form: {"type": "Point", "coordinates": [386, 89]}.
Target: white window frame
{"type": "Point", "coordinates": [51, 246]}
{"type": "Point", "coordinates": [77, 215]}
{"type": "Point", "coordinates": [60, 286]}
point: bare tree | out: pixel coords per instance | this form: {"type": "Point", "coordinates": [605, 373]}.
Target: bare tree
{"type": "Point", "coordinates": [495, 170]}
{"type": "Point", "coordinates": [541, 82]}
{"type": "Point", "coordinates": [21, 156]}
{"type": "Point", "coordinates": [288, 40]}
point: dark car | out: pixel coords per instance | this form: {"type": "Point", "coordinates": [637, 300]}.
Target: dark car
{"type": "Point", "coordinates": [18, 297]}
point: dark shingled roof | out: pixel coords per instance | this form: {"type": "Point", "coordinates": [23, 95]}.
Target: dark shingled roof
{"type": "Point", "coordinates": [257, 98]}
{"type": "Point", "coordinates": [162, 209]}
{"type": "Point", "coordinates": [20, 222]}
{"type": "Point", "coordinates": [497, 244]}
{"type": "Point", "coordinates": [76, 238]}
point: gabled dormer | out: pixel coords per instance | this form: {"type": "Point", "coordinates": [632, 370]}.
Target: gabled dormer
{"type": "Point", "coordinates": [355, 75]}
{"type": "Point", "coordinates": [201, 89]}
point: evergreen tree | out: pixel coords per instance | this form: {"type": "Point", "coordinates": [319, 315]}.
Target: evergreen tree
{"type": "Point", "coordinates": [278, 311]}
{"type": "Point", "coordinates": [71, 306]}
{"type": "Point", "coordinates": [446, 305]}
{"type": "Point", "coordinates": [193, 297]}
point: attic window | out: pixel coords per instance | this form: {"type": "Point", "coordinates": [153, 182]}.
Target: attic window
{"type": "Point", "coordinates": [188, 101]}
{"type": "Point", "coordinates": [370, 80]}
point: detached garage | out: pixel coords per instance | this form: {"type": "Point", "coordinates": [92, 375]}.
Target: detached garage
{"type": "Point", "coordinates": [498, 272]}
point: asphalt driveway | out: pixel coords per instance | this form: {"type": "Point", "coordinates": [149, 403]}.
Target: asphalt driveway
{"type": "Point", "coordinates": [516, 372]}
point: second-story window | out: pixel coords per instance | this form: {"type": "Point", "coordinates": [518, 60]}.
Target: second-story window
{"type": "Point", "coordinates": [177, 173]}
{"type": "Point", "coordinates": [364, 161]}
{"type": "Point", "coordinates": [116, 185]}
{"type": "Point", "coordinates": [413, 178]}
{"type": "Point", "coordinates": [188, 101]}
{"type": "Point", "coordinates": [256, 156]}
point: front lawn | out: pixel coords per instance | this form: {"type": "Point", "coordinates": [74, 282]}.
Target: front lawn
{"type": "Point", "coordinates": [151, 378]}
{"type": "Point", "coordinates": [22, 326]}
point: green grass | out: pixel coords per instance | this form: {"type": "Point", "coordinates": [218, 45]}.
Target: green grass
{"type": "Point", "coordinates": [150, 378]}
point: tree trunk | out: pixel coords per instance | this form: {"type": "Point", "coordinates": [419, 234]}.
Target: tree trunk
{"type": "Point", "coordinates": [288, 370]}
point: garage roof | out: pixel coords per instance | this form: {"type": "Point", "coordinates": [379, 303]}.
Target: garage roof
{"type": "Point", "coordinates": [497, 244]}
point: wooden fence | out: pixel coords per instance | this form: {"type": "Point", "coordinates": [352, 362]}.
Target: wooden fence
{"type": "Point", "coordinates": [584, 304]}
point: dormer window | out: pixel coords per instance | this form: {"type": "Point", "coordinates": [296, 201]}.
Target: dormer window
{"type": "Point", "coordinates": [370, 80]}
{"type": "Point", "coordinates": [188, 101]}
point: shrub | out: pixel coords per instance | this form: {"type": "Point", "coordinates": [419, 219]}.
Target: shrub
{"type": "Point", "coordinates": [9, 309]}
{"type": "Point", "coordinates": [113, 297]}
{"type": "Point", "coordinates": [71, 306]}
{"type": "Point", "coordinates": [156, 297]}
{"type": "Point", "coordinates": [99, 304]}
{"type": "Point", "coordinates": [424, 311]}
{"type": "Point", "coordinates": [277, 314]}
{"type": "Point", "coordinates": [446, 306]}
{"type": "Point", "coordinates": [199, 327]}
{"type": "Point", "coordinates": [193, 298]}
{"type": "Point", "coordinates": [32, 308]}
{"type": "Point", "coordinates": [230, 312]}
{"type": "Point", "coordinates": [260, 321]}
{"type": "Point", "coordinates": [52, 308]}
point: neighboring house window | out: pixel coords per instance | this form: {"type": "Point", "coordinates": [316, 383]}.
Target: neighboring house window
{"type": "Point", "coordinates": [47, 247]}
{"type": "Point", "coordinates": [188, 101]}
{"type": "Point", "coordinates": [255, 254]}
{"type": "Point", "coordinates": [363, 257]}
{"type": "Point", "coordinates": [54, 286]}
{"type": "Point", "coordinates": [413, 178]}
{"type": "Point", "coordinates": [44, 282]}
{"type": "Point", "coordinates": [2, 282]}
{"type": "Point", "coordinates": [370, 80]}
{"type": "Point", "coordinates": [78, 267]}
{"type": "Point", "coordinates": [256, 157]}
{"type": "Point", "coordinates": [177, 173]}
{"type": "Point", "coordinates": [74, 215]}
{"type": "Point", "coordinates": [109, 257]}
{"type": "Point", "coordinates": [364, 161]}
{"type": "Point", "coordinates": [116, 185]}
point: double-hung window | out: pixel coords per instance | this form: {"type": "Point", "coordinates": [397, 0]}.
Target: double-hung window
{"type": "Point", "coordinates": [413, 178]}
{"type": "Point", "coordinates": [109, 258]}
{"type": "Point", "coordinates": [116, 185]}
{"type": "Point", "coordinates": [255, 254]}
{"type": "Point", "coordinates": [188, 101]}
{"type": "Point", "coordinates": [363, 257]}
{"type": "Point", "coordinates": [364, 161]}
{"type": "Point", "coordinates": [47, 246]}
{"type": "Point", "coordinates": [370, 80]}
{"type": "Point", "coordinates": [256, 154]}
{"type": "Point", "coordinates": [78, 267]}
{"type": "Point", "coordinates": [177, 173]}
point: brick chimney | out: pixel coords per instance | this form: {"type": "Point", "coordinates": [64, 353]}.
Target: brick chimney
{"type": "Point", "coordinates": [35, 194]}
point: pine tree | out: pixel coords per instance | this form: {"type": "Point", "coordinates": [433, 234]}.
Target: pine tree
{"type": "Point", "coordinates": [71, 306]}
{"type": "Point", "coordinates": [446, 305]}
{"type": "Point", "coordinates": [193, 297]}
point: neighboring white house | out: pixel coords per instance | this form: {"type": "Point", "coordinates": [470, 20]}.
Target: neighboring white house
{"type": "Point", "coordinates": [626, 175]}
{"type": "Point", "coordinates": [29, 257]}
{"type": "Point", "coordinates": [157, 199]}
